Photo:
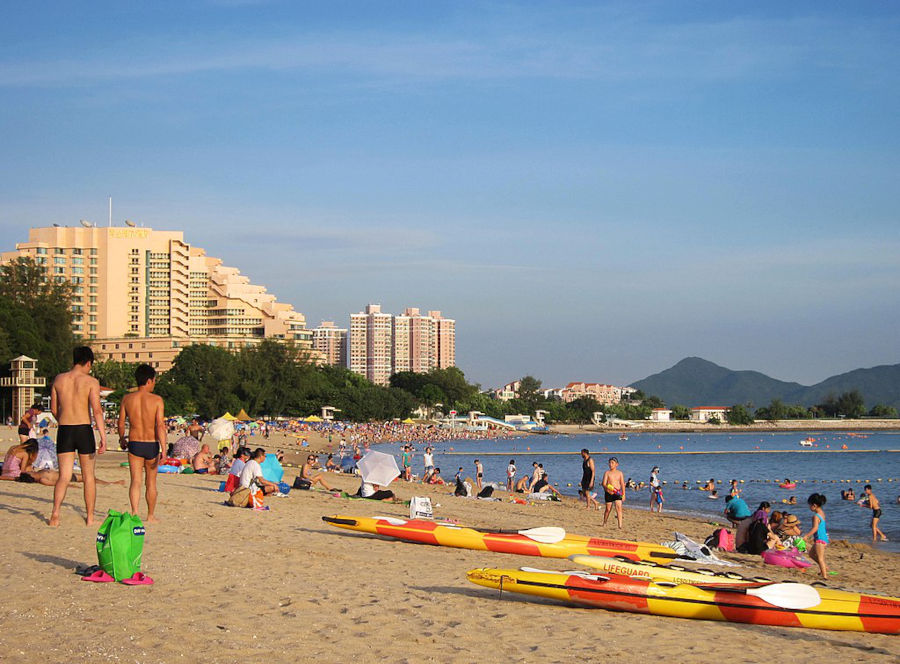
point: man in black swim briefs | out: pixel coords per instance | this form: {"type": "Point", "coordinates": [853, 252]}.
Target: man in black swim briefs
{"type": "Point", "coordinates": [149, 451]}
{"type": "Point", "coordinates": [146, 438]}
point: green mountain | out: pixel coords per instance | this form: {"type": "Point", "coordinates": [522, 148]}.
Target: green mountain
{"type": "Point", "coordinates": [698, 382]}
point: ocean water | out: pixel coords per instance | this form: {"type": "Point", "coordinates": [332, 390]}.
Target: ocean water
{"type": "Point", "coordinates": [759, 461]}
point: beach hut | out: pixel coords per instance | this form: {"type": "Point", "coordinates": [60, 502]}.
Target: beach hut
{"type": "Point", "coordinates": [228, 416]}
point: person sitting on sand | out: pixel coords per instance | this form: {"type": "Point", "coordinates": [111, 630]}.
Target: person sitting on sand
{"type": "Point", "coordinates": [331, 464]}
{"type": "Point", "coordinates": [223, 463]}
{"type": "Point", "coordinates": [523, 483]}
{"type": "Point", "coordinates": [374, 492]}
{"type": "Point", "coordinates": [203, 463]}
{"type": "Point", "coordinates": [252, 473]}
{"type": "Point", "coordinates": [18, 467]}
{"type": "Point", "coordinates": [318, 478]}
{"type": "Point", "coordinates": [435, 477]}
{"type": "Point", "coordinates": [543, 486]}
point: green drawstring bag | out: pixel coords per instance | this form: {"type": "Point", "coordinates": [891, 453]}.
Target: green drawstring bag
{"type": "Point", "coordinates": [120, 544]}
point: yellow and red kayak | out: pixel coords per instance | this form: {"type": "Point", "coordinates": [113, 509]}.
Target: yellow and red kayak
{"type": "Point", "coordinates": [829, 609]}
{"type": "Point", "coordinates": [461, 537]}
{"type": "Point", "coordinates": [651, 570]}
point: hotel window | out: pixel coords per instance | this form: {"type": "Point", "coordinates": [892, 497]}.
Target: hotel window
{"type": "Point", "coordinates": [59, 260]}
{"type": "Point", "coordinates": [59, 250]}
{"type": "Point", "coordinates": [59, 270]}
{"type": "Point", "coordinates": [93, 289]}
{"type": "Point", "coordinates": [77, 270]}
{"type": "Point", "coordinates": [93, 261]}
{"type": "Point", "coordinates": [93, 251]}
{"type": "Point", "coordinates": [41, 250]}
{"type": "Point", "coordinates": [93, 270]}
{"type": "Point", "coordinates": [76, 252]}
{"type": "Point", "coordinates": [93, 280]}
{"type": "Point", "coordinates": [77, 261]}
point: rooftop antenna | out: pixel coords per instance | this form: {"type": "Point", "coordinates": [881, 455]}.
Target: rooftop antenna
{"type": "Point", "coordinates": [110, 211]}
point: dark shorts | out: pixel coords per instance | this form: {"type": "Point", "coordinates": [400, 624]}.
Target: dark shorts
{"type": "Point", "coordinates": [201, 471]}
{"type": "Point", "coordinates": [75, 438]}
{"type": "Point", "coordinates": [876, 514]}
{"type": "Point", "coordinates": [149, 451]}
{"type": "Point", "coordinates": [586, 486]}
{"type": "Point", "coordinates": [611, 497]}
{"type": "Point", "coordinates": [24, 430]}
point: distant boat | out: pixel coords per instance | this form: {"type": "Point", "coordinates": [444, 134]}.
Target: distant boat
{"type": "Point", "coordinates": [623, 437]}
{"type": "Point", "coordinates": [807, 442]}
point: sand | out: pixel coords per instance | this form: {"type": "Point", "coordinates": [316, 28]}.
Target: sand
{"type": "Point", "coordinates": [234, 585]}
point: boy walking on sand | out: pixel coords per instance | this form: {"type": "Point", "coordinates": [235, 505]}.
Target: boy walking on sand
{"type": "Point", "coordinates": [613, 490]}
{"type": "Point", "coordinates": [146, 440]}
{"type": "Point", "coordinates": [875, 506]}
{"type": "Point", "coordinates": [75, 396]}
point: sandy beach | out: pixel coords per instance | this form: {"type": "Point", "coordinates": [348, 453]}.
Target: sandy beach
{"type": "Point", "coordinates": [235, 585]}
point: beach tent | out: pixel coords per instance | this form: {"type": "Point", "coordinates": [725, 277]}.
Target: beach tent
{"type": "Point", "coordinates": [408, 420]}
{"type": "Point", "coordinates": [242, 416]}
{"type": "Point", "coordinates": [271, 468]}
{"type": "Point", "coordinates": [228, 416]}
{"type": "Point", "coordinates": [314, 418]}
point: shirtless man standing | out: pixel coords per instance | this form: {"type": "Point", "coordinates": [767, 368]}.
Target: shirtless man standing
{"type": "Point", "coordinates": [74, 397]}
{"type": "Point", "coordinates": [146, 441]}
{"type": "Point", "coordinates": [613, 490]}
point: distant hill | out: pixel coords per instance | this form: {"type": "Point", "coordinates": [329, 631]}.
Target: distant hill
{"type": "Point", "coordinates": [698, 382]}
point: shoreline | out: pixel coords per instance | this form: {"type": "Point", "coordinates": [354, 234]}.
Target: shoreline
{"type": "Point", "coordinates": [646, 426]}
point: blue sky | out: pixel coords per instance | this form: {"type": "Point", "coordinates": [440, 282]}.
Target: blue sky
{"type": "Point", "coordinates": [593, 190]}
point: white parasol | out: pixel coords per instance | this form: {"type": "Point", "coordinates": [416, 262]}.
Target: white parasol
{"type": "Point", "coordinates": [378, 468]}
{"type": "Point", "coordinates": [220, 429]}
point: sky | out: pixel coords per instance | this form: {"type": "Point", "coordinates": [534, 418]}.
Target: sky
{"type": "Point", "coordinates": [593, 190]}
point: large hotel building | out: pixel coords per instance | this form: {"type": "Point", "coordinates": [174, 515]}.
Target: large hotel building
{"type": "Point", "coordinates": [382, 343]}
{"type": "Point", "coordinates": [141, 295]}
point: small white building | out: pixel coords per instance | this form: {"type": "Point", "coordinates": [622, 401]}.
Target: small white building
{"type": "Point", "coordinates": [706, 413]}
{"type": "Point", "coordinates": [661, 415]}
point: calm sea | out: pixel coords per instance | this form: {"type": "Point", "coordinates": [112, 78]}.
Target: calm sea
{"type": "Point", "coordinates": [759, 461]}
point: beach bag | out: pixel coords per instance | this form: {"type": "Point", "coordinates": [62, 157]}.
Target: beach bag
{"type": "Point", "coordinates": [757, 536]}
{"type": "Point", "coordinates": [420, 508]}
{"type": "Point", "coordinates": [460, 489]}
{"type": "Point", "coordinates": [300, 483]}
{"type": "Point", "coordinates": [120, 544]}
{"type": "Point", "coordinates": [239, 497]}
{"type": "Point", "coordinates": [721, 539]}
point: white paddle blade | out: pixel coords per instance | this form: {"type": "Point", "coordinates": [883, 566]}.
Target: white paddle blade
{"type": "Point", "coordinates": [545, 534]}
{"type": "Point", "coordinates": [788, 595]}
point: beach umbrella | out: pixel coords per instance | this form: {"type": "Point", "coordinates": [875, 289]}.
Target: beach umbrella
{"type": "Point", "coordinates": [220, 429]}
{"type": "Point", "coordinates": [314, 418]}
{"type": "Point", "coordinates": [185, 447]}
{"type": "Point", "coordinates": [378, 468]}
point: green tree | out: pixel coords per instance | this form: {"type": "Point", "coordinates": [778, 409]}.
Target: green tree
{"type": "Point", "coordinates": [35, 315]}
{"type": "Point", "coordinates": [530, 392]}
{"type": "Point", "coordinates": [680, 412]}
{"type": "Point", "coordinates": [115, 375]}
{"type": "Point", "coordinates": [851, 404]}
{"type": "Point", "coordinates": [882, 410]}
{"type": "Point", "coordinates": [210, 373]}
{"type": "Point", "coordinates": [738, 415]}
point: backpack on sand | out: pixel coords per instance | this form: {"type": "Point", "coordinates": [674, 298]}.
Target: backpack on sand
{"type": "Point", "coordinates": [240, 497]}
{"type": "Point", "coordinates": [120, 544]}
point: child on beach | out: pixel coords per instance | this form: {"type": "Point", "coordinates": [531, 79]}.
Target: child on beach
{"type": "Point", "coordinates": [656, 498]}
{"type": "Point", "coordinates": [613, 490]}
{"type": "Point", "coordinates": [875, 506]}
{"type": "Point", "coordinates": [816, 502]}
{"type": "Point", "coordinates": [511, 475]}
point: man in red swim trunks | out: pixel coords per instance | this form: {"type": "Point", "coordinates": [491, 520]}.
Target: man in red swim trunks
{"type": "Point", "coordinates": [75, 396]}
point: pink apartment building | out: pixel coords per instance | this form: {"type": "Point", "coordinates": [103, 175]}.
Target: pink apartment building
{"type": "Point", "coordinates": [382, 344]}
{"type": "Point", "coordinates": [331, 342]}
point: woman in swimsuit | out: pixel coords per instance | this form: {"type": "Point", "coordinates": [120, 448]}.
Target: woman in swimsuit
{"type": "Point", "coordinates": [19, 459]}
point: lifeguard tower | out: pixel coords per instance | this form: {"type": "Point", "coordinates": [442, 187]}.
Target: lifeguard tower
{"type": "Point", "coordinates": [23, 382]}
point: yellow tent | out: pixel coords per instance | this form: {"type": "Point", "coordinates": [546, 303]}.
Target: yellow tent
{"type": "Point", "coordinates": [314, 418]}
{"type": "Point", "coordinates": [243, 417]}
{"type": "Point", "coordinates": [408, 421]}
{"type": "Point", "coordinates": [229, 417]}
